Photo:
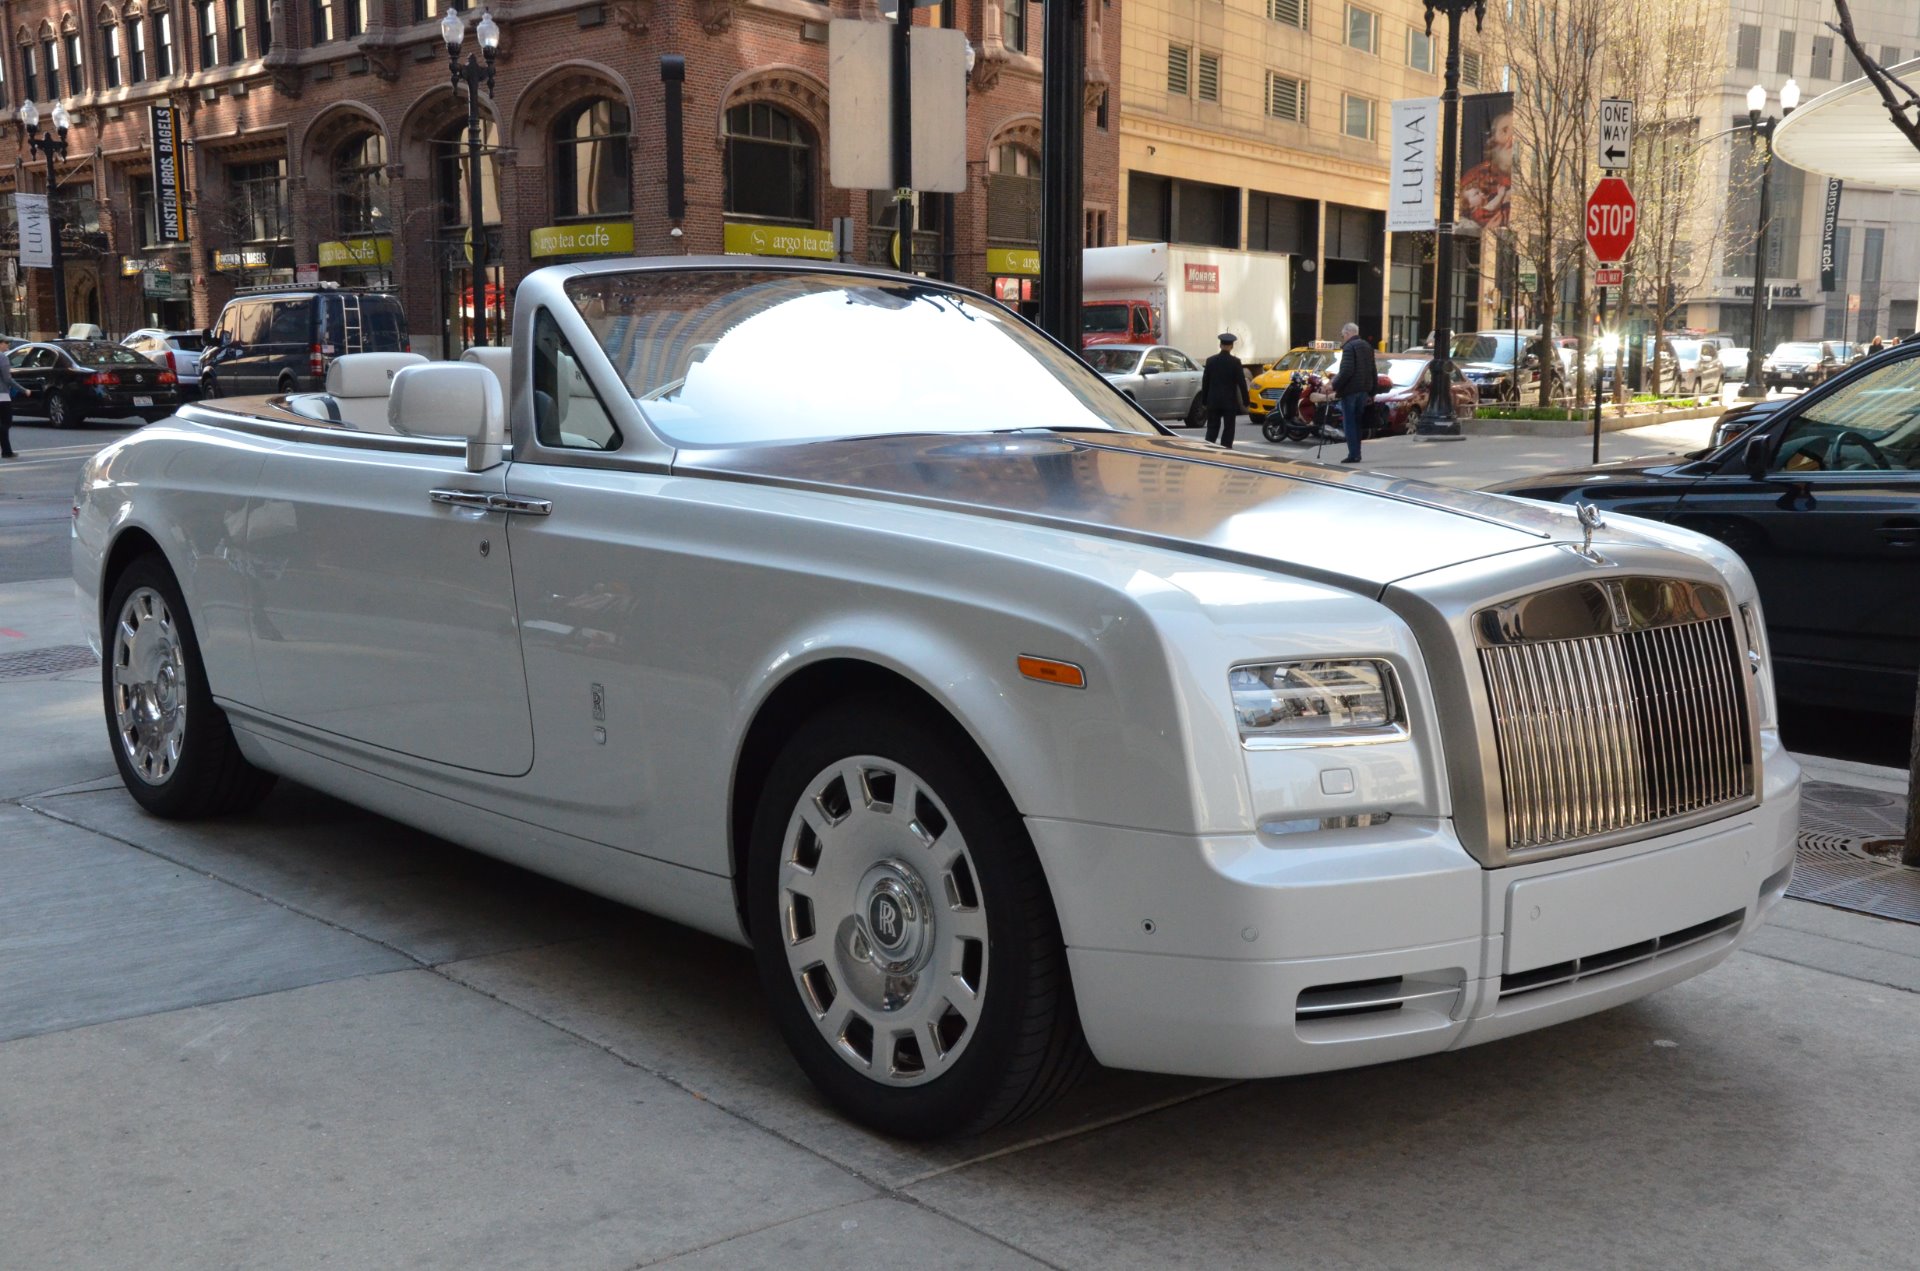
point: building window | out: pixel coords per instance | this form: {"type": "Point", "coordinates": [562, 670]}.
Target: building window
{"type": "Point", "coordinates": [1013, 194]}
{"type": "Point", "coordinates": [1096, 228]}
{"type": "Point", "coordinates": [591, 174]}
{"type": "Point", "coordinates": [1288, 12]}
{"type": "Point", "coordinates": [1419, 50]}
{"type": "Point", "coordinates": [1357, 118]}
{"type": "Point", "coordinates": [146, 215]}
{"type": "Point", "coordinates": [29, 73]}
{"type": "Point", "coordinates": [1746, 48]}
{"type": "Point", "coordinates": [162, 44]}
{"type": "Point", "coordinates": [1783, 59]}
{"type": "Point", "coordinates": [259, 212]}
{"type": "Point", "coordinates": [76, 73]}
{"type": "Point", "coordinates": [206, 28]}
{"type": "Point", "coordinates": [1822, 67]}
{"type": "Point", "coordinates": [1206, 214]}
{"type": "Point", "coordinates": [1149, 208]}
{"type": "Point", "coordinates": [1179, 70]}
{"type": "Point", "coordinates": [1277, 223]}
{"type": "Point", "coordinates": [1206, 84]}
{"type": "Point", "coordinates": [1100, 110]}
{"type": "Point", "coordinates": [769, 164]}
{"type": "Point", "coordinates": [1889, 55]}
{"type": "Point", "coordinates": [1362, 29]}
{"type": "Point", "coordinates": [356, 18]}
{"type": "Point", "coordinates": [450, 176]}
{"type": "Point", "coordinates": [236, 30]}
{"type": "Point", "coordinates": [360, 185]}
{"type": "Point", "coordinates": [51, 52]}
{"type": "Point", "coordinates": [110, 54]}
{"type": "Point", "coordinates": [322, 21]}
{"type": "Point", "coordinates": [1013, 24]}
{"type": "Point", "coordinates": [1286, 98]}
{"type": "Point", "coordinates": [1850, 65]}
{"type": "Point", "coordinates": [1469, 68]}
{"type": "Point", "coordinates": [263, 26]}
{"type": "Point", "coordinates": [136, 51]}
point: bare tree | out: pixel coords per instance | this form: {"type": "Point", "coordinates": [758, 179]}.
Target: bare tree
{"type": "Point", "coordinates": [1553, 52]}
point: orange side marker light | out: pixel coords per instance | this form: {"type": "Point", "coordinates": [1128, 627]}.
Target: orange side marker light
{"type": "Point", "coordinates": [1052, 671]}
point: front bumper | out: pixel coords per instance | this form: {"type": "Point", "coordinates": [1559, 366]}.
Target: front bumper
{"type": "Point", "coordinates": [1253, 956]}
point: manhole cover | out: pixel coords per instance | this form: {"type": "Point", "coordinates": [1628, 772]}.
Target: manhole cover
{"type": "Point", "coordinates": [61, 657]}
{"type": "Point", "coordinates": [1837, 796]}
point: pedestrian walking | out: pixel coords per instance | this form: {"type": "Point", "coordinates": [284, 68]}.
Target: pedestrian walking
{"type": "Point", "coordinates": [1354, 387]}
{"type": "Point", "coordinates": [1223, 387]}
{"type": "Point", "coordinates": [6, 404]}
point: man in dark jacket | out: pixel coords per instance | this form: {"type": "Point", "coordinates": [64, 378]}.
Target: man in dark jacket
{"type": "Point", "coordinates": [1223, 387]}
{"type": "Point", "coordinates": [1354, 387]}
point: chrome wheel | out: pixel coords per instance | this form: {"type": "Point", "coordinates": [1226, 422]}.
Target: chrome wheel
{"type": "Point", "coordinates": [149, 686]}
{"type": "Point", "coordinates": [882, 920]}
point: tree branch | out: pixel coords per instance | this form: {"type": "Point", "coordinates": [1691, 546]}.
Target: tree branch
{"type": "Point", "coordinates": [1883, 83]}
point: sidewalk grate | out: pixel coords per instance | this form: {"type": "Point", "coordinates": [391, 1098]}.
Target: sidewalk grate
{"type": "Point", "coordinates": [1850, 849]}
{"type": "Point", "coordinates": [50, 661]}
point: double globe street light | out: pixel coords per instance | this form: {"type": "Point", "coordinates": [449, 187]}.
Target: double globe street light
{"type": "Point", "coordinates": [52, 144]}
{"type": "Point", "coordinates": [1761, 130]}
{"type": "Point", "coordinates": [475, 71]}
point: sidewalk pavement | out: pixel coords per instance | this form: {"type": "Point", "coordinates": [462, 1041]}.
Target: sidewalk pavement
{"type": "Point", "coordinates": [311, 1036]}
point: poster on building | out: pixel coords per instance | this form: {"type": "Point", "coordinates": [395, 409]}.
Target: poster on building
{"type": "Point", "coordinates": [1828, 223]}
{"type": "Point", "coordinates": [1486, 162]}
{"type": "Point", "coordinates": [36, 230]}
{"type": "Point", "coordinates": [165, 131]}
{"type": "Point", "coordinates": [1416, 148]}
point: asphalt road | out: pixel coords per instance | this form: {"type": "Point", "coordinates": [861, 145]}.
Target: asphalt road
{"type": "Point", "coordinates": [36, 496]}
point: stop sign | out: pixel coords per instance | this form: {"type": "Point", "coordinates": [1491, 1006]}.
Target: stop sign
{"type": "Point", "coordinates": [1611, 217]}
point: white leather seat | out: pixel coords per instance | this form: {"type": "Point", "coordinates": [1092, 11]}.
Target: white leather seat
{"type": "Point", "coordinates": [499, 361]}
{"type": "Point", "coordinates": [358, 385]}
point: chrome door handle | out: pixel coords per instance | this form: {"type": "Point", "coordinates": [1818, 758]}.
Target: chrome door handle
{"type": "Point", "coordinates": [521, 504]}
{"type": "Point", "coordinates": [462, 498]}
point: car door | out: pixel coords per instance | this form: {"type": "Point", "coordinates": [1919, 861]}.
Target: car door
{"type": "Point", "coordinates": [1159, 385]}
{"type": "Point", "coordinates": [381, 601]}
{"type": "Point", "coordinates": [242, 357]}
{"type": "Point", "coordinates": [1831, 532]}
{"type": "Point", "coordinates": [1183, 382]}
{"type": "Point", "coordinates": [34, 368]}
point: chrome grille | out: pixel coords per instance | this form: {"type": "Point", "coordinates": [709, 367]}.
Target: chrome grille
{"type": "Point", "coordinates": [1615, 705]}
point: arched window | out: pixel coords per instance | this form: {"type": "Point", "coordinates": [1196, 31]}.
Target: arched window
{"type": "Point", "coordinates": [1013, 194]}
{"type": "Point", "coordinates": [450, 176]}
{"type": "Point", "coordinates": [360, 185]}
{"type": "Point", "coordinates": [591, 175]}
{"type": "Point", "coordinates": [770, 164]}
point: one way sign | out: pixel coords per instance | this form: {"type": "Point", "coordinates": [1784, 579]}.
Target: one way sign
{"type": "Point", "coordinates": [1615, 144]}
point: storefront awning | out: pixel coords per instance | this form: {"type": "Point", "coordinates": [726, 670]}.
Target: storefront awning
{"type": "Point", "coordinates": [1846, 134]}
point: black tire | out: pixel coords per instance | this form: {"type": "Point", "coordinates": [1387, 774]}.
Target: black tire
{"type": "Point", "coordinates": [209, 777]}
{"type": "Point", "coordinates": [1272, 429]}
{"type": "Point", "coordinates": [1025, 1048]}
{"type": "Point", "coordinates": [62, 412]}
{"type": "Point", "coordinates": [1197, 412]}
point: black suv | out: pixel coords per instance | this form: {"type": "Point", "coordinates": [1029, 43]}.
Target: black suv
{"type": "Point", "coordinates": [281, 339]}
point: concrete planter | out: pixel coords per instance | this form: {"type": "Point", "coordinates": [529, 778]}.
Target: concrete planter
{"type": "Point", "coordinates": [1581, 424]}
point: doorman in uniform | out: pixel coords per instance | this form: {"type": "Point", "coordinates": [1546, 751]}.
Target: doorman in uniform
{"type": "Point", "coordinates": [1223, 387]}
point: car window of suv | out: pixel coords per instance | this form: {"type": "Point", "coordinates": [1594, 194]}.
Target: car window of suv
{"type": "Point", "coordinates": [290, 322]}
{"type": "Point", "coordinates": [383, 326]}
{"type": "Point", "coordinates": [1870, 422]}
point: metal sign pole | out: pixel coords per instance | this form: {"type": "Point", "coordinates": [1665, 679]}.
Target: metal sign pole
{"type": "Point", "coordinates": [1598, 366]}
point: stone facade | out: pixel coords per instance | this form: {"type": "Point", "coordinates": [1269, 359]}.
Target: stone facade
{"type": "Point", "coordinates": [325, 136]}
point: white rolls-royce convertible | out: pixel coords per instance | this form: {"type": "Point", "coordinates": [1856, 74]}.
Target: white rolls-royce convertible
{"type": "Point", "coordinates": [845, 615]}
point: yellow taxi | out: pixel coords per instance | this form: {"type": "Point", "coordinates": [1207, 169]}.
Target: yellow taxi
{"type": "Point", "coordinates": [1269, 384]}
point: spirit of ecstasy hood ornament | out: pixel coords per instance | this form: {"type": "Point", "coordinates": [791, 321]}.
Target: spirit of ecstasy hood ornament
{"type": "Point", "coordinates": [1590, 520]}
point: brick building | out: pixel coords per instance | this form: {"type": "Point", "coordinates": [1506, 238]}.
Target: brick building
{"type": "Point", "coordinates": [325, 134]}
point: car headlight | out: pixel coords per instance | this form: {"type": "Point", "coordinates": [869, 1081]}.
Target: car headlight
{"type": "Point", "coordinates": [1304, 703]}
{"type": "Point", "coordinates": [1758, 662]}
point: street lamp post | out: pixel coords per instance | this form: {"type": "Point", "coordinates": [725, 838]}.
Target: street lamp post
{"type": "Point", "coordinates": [1436, 417]}
{"type": "Point", "coordinates": [475, 71]}
{"type": "Point", "coordinates": [52, 144]}
{"type": "Point", "coordinates": [1759, 130]}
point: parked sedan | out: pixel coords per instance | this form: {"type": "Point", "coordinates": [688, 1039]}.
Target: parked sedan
{"type": "Point", "coordinates": [1699, 365]}
{"type": "Point", "coordinates": [1002, 726]}
{"type": "Point", "coordinates": [1733, 363]}
{"type": "Point", "coordinates": [178, 351]}
{"type": "Point", "coordinates": [1820, 496]}
{"type": "Point", "coordinates": [1802, 364]}
{"type": "Point", "coordinates": [1412, 382]}
{"type": "Point", "coordinates": [1165, 381]}
{"type": "Point", "coordinates": [1503, 366]}
{"type": "Point", "coordinates": [71, 381]}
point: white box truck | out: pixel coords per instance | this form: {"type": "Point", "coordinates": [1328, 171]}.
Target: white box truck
{"type": "Point", "coordinates": [1160, 293]}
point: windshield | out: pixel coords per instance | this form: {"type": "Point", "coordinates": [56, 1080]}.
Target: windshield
{"type": "Point", "coordinates": [1113, 361]}
{"type": "Point", "coordinates": [1808, 351]}
{"type": "Point", "coordinates": [1103, 319]}
{"type": "Point", "coordinates": [1403, 370]}
{"type": "Point", "coordinates": [732, 357]}
{"type": "Point", "coordinates": [100, 353]}
{"type": "Point", "coordinates": [187, 343]}
{"type": "Point", "coordinates": [1483, 348]}
{"type": "Point", "coordinates": [1305, 360]}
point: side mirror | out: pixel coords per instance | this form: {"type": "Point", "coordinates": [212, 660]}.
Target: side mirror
{"type": "Point", "coordinates": [452, 399]}
{"type": "Point", "coordinates": [1149, 370]}
{"type": "Point", "coordinates": [1754, 458]}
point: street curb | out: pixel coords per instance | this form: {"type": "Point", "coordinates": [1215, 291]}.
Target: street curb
{"type": "Point", "coordinates": [1578, 427]}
